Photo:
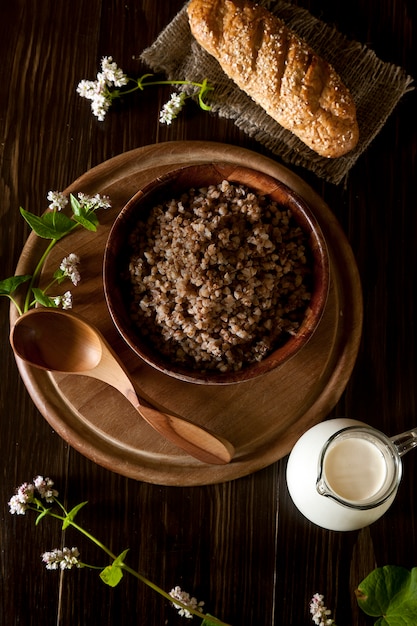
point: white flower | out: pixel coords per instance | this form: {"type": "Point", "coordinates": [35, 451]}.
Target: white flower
{"type": "Point", "coordinates": [44, 488]}
{"type": "Point", "coordinates": [27, 492]}
{"type": "Point", "coordinates": [320, 613]}
{"type": "Point", "coordinates": [94, 202]}
{"type": "Point", "coordinates": [57, 199]}
{"type": "Point", "coordinates": [24, 495]}
{"type": "Point", "coordinates": [16, 507]}
{"type": "Point", "coordinates": [87, 89]}
{"type": "Point", "coordinates": [69, 265]}
{"type": "Point", "coordinates": [64, 301]}
{"type": "Point", "coordinates": [62, 559]}
{"type": "Point", "coordinates": [100, 105]}
{"type": "Point", "coordinates": [171, 108]}
{"type": "Point", "coordinates": [112, 74]}
{"type": "Point", "coordinates": [98, 91]}
{"type": "Point", "coordinates": [184, 597]}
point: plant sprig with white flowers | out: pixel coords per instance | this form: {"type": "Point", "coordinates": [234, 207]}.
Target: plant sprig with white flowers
{"type": "Point", "coordinates": [320, 614]}
{"type": "Point", "coordinates": [112, 83]}
{"type": "Point", "coordinates": [40, 497]}
{"type": "Point", "coordinates": [54, 225]}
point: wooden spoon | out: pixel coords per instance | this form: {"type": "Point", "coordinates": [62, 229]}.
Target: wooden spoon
{"type": "Point", "coordinates": [56, 340]}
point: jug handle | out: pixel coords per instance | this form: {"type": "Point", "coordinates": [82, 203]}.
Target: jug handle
{"type": "Point", "coordinates": [405, 441]}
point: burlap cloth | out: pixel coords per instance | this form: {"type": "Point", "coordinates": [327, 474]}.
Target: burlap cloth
{"type": "Point", "coordinates": [376, 86]}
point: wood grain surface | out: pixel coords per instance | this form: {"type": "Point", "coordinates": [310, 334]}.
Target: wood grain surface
{"type": "Point", "coordinates": [239, 545]}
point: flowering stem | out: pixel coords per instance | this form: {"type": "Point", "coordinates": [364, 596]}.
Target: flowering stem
{"type": "Point", "coordinates": [166, 595]}
{"type": "Point", "coordinates": [140, 83]}
{"type": "Point", "coordinates": [84, 532]}
{"type": "Point", "coordinates": [49, 285]}
{"type": "Point", "coordinates": [133, 572]}
{"type": "Point", "coordinates": [140, 577]}
{"type": "Point", "coordinates": [38, 268]}
{"type": "Point", "coordinates": [111, 81]}
{"type": "Point", "coordinates": [29, 496]}
{"type": "Point", "coordinates": [36, 273]}
{"type": "Point", "coordinates": [94, 540]}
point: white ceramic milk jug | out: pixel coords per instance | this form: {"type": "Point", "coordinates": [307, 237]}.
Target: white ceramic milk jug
{"type": "Point", "coordinates": [343, 474]}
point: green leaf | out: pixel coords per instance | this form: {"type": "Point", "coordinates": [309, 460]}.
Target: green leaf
{"type": "Point", "coordinates": [83, 215]}
{"type": "Point", "coordinates": [120, 559]}
{"type": "Point", "coordinates": [208, 622]}
{"type": "Point", "coordinates": [113, 574]}
{"type": "Point", "coordinates": [390, 593]}
{"type": "Point", "coordinates": [75, 204]}
{"type": "Point", "coordinates": [42, 299]}
{"type": "Point", "coordinates": [60, 275]}
{"type": "Point", "coordinates": [71, 515]}
{"type": "Point", "coordinates": [50, 225]}
{"type": "Point", "coordinates": [88, 220]}
{"type": "Point", "coordinates": [9, 285]}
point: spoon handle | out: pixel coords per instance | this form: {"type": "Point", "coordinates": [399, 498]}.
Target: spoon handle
{"type": "Point", "coordinates": [195, 440]}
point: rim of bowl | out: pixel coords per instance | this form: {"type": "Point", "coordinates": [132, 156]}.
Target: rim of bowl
{"type": "Point", "coordinates": [115, 261]}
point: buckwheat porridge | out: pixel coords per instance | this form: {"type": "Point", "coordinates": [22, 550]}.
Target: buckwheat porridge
{"type": "Point", "coordinates": [220, 277]}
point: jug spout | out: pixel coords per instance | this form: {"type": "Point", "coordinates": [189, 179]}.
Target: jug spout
{"type": "Point", "coordinates": [405, 441]}
{"type": "Point", "coordinates": [322, 488]}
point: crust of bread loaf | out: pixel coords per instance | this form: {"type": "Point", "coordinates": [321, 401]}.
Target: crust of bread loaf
{"type": "Point", "coordinates": [279, 71]}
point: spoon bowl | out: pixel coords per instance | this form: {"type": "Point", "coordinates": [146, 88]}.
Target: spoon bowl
{"type": "Point", "coordinates": [56, 340]}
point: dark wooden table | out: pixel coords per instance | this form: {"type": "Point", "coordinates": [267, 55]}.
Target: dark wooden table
{"type": "Point", "coordinates": [240, 546]}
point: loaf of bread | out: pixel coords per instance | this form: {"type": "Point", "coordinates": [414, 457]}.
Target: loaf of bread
{"type": "Point", "coordinates": [279, 71]}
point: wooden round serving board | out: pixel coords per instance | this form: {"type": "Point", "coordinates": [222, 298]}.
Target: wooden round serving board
{"type": "Point", "coordinates": [263, 418]}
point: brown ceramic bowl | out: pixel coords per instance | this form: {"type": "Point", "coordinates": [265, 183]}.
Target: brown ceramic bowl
{"type": "Point", "coordinates": [117, 254]}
